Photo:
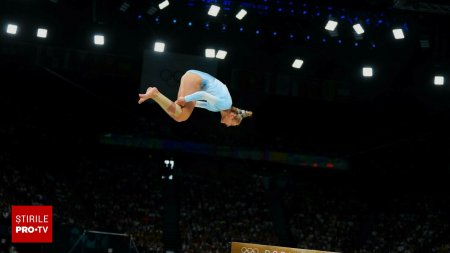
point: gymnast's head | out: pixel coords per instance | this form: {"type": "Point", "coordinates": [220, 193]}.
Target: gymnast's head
{"type": "Point", "coordinates": [234, 116]}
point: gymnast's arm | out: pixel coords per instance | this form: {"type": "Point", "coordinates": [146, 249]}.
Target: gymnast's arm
{"type": "Point", "coordinates": [202, 95]}
{"type": "Point", "coordinates": [201, 104]}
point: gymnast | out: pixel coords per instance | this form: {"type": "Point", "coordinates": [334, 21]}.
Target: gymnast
{"type": "Point", "coordinates": [198, 89]}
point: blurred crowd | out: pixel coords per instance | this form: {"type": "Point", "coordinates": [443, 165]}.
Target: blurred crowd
{"type": "Point", "coordinates": [52, 158]}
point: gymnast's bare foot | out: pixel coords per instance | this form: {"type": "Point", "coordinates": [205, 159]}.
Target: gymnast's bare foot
{"type": "Point", "coordinates": [150, 93]}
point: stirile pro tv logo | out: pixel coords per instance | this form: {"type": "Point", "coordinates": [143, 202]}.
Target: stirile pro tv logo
{"type": "Point", "coordinates": [32, 224]}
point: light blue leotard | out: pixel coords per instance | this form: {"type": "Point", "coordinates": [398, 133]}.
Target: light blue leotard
{"type": "Point", "coordinates": [213, 94]}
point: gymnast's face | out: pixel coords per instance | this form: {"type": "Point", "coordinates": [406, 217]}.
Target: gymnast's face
{"type": "Point", "coordinates": [229, 119]}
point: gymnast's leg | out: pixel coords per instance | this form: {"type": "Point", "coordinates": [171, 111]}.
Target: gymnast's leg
{"type": "Point", "coordinates": [189, 84]}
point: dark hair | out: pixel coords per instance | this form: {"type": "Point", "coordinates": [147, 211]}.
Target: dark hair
{"type": "Point", "coordinates": [240, 114]}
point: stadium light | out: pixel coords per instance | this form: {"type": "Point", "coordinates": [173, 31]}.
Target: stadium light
{"type": "Point", "coordinates": [159, 47]}
{"type": "Point", "coordinates": [152, 10]}
{"type": "Point", "coordinates": [210, 53]}
{"type": "Point", "coordinates": [124, 7]}
{"type": "Point", "coordinates": [424, 43]}
{"type": "Point", "coordinates": [12, 29]}
{"type": "Point", "coordinates": [163, 4]}
{"type": "Point", "coordinates": [358, 29]}
{"type": "Point", "coordinates": [221, 54]}
{"type": "Point", "coordinates": [398, 34]}
{"type": "Point", "coordinates": [331, 25]}
{"type": "Point", "coordinates": [99, 40]}
{"type": "Point", "coordinates": [214, 10]}
{"type": "Point", "coordinates": [241, 14]}
{"type": "Point", "coordinates": [439, 80]}
{"type": "Point", "coordinates": [41, 33]}
{"type": "Point", "coordinates": [367, 71]}
{"type": "Point", "coordinates": [298, 63]}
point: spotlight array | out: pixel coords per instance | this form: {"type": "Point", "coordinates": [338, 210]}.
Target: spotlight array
{"type": "Point", "coordinates": [331, 27]}
{"type": "Point", "coordinates": [211, 53]}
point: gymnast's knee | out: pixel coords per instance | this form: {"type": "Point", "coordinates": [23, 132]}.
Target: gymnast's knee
{"type": "Point", "coordinates": [180, 118]}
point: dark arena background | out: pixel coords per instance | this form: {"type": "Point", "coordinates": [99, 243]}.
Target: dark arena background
{"type": "Point", "coordinates": [347, 149]}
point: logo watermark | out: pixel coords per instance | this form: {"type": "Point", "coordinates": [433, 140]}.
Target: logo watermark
{"type": "Point", "coordinates": [32, 224]}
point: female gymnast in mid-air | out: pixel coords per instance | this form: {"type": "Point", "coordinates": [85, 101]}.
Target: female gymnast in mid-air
{"type": "Point", "coordinates": [198, 89]}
